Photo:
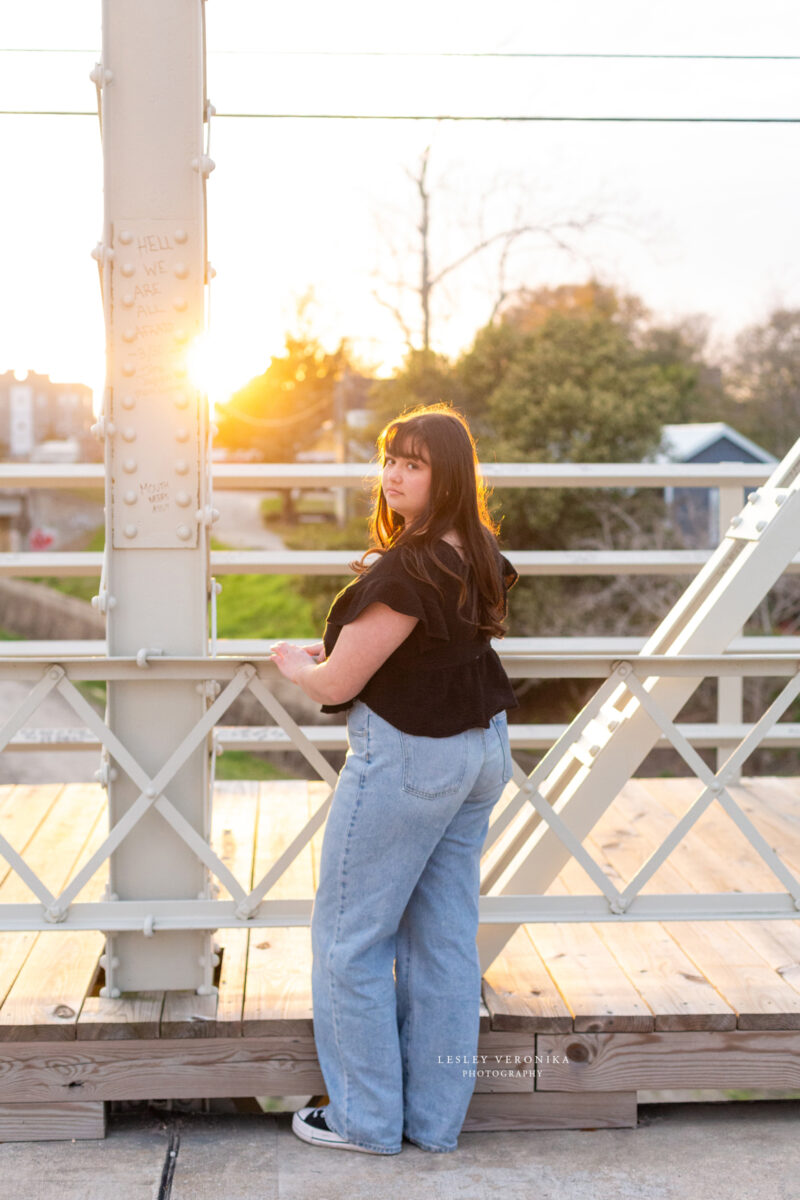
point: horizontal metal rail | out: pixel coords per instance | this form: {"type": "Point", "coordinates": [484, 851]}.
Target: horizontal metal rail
{"type": "Point", "coordinates": [263, 739]}
{"type": "Point", "coordinates": [266, 476]}
{"type": "Point", "coordinates": [88, 563]}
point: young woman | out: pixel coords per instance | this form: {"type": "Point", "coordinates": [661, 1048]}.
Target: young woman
{"type": "Point", "coordinates": [407, 654]}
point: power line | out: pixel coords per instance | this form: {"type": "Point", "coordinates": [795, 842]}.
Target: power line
{"type": "Point", "coordinates": [31, 112]}
{"type": "Point", "coordinates": [439, 54]}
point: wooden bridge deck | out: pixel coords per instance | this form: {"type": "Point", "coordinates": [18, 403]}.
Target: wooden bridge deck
{"type": "Point", "coordinates": [576, 1017]}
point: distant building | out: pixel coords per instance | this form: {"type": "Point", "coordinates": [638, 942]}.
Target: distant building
{"type": "Point", "coordinates": [695, 511]}
{"type": "Point", "coordinates": [36, 410]}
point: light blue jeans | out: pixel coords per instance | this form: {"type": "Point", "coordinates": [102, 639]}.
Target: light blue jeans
{"type": "Point", "coordinates": [399, 880]}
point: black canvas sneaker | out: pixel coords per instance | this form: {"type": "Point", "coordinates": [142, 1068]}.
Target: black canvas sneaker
{"type": "Point", "coordinates": [310, 1125]}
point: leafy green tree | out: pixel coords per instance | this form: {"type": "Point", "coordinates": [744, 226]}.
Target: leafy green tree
{"type": "Point", "coordinates": [764, 378]}
{"type": "Point", "coordinates": [280, 413]}
{"type": "Point", "coordinates": [581, 373]}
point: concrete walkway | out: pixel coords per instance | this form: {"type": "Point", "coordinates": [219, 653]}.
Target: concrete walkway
{"type": "Point", "coordinates": [739, 1151]}
{"type": "Point", "coordinates": [240, 523]}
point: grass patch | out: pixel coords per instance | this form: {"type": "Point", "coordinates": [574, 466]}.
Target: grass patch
{"type": "Point", "coordinates": [243, 764]}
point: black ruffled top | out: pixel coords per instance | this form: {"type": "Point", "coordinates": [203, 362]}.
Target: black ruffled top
{"type": "Point", "coordinates": [442, 679]}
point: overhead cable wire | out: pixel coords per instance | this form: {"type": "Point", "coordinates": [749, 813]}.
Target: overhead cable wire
{"type": "Point", "coordinates": [279, 116]}
{"type": "Point", "coordinates": [441, 54]}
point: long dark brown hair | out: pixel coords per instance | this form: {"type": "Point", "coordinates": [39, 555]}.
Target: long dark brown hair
{"type": "Point", "coordinates": [440, 434]}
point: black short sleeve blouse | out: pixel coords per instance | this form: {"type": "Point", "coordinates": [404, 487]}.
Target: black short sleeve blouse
{"type": "Point", "coordinates": [442, 679]}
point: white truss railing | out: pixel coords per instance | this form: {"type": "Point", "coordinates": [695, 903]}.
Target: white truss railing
{"type": "Point", "coordinates": [510, 830]}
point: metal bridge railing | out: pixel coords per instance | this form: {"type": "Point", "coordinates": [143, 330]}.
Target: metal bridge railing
{"type": "Point", "coordinates": [224, 678]}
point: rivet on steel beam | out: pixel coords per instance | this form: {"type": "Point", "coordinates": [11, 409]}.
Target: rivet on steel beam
{"type": "Point", "coordinates": [180, 335]}
{"type": "Point", "coordinates": [180, 304]}
{"type": "Point", "coordinates": [110, 993]}
{"type": "Point", "coordinates": [612, 725]}
{"type": "Point", "coordinates": [183, 498]}
{"type": "Point", "coordinates": [203, 164]}
{"type": "Point", "coordinates": [210, 110]}
{"type": "Point", "coordinates": [623, 669]}
{"type": "Point", "coordinates": [210, 272]}
{"type": "Point", "coordinates": [181, 236]}
{"type": "Point", "coordinates": [181, 467]}
{"type": "Point", "coordinates": [130, 497]}
{"type": "Point", "coordinates": [129, 335]}
{"type": "Point", "coordinates": [184, 532]}
{"type": "Point", "coordinates": [735, 522]}
{"type": "Point", "coordinates": [181, 400]}
{"type": "Point", "coordinates": [761, 525]}
{"type": "Point", "coordinates": [126, 237]}
{"type": "Point", "coordinates": [181, 270]}
{"type": "Point", "coordinates": [594, 751]}
{"type": "Point", "coordinates": [150, 791]}
{"type": "Point", "coordinates": [128, 269]}
{"type": "Point", "coordinates": [130, 531]}
{"type": "Point", "coordinates": [205, 990]}
{"type": "Point", "coordinates": [129, 434]}
{"type": "Point", "coordinates": [98, 252]}
{"type": "Point", "coordinates": [128, 401]}
{"type": "Point", "coordinates": [128, 300]}
{"type": "Point", "coordinates": [128, 368]}
{"type": "Point", "coordinates": [130, 465]}
{"type": "Point", "coordinates": [182, 435]}
{"type": "Point", "coordinates": [56, 672]}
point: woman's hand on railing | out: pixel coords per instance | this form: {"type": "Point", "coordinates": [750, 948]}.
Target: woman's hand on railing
{"type": "Point", "coordinates": [291, 659]}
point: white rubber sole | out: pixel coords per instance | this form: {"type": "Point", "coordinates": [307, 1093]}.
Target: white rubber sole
{"type": "Point", "coordinates": [317, 1137]}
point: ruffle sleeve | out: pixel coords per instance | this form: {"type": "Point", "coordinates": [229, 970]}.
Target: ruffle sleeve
{"type": "Point", "coordinates": [510, 573]}
{"type": "Point", "coordinates": [389, 583]}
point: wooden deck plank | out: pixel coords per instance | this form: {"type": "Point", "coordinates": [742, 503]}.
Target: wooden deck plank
{"type": "Point", "coordinates": [49, 991]}
{"type": "Point", "coordinates": [520, 993]}
{"type": "Point", "coordinates": [667, 979]}
{"type": "Point", "coordinates": [549, 1110]}
{"type": "Point", "coordinates": [775, 815]}
{"type": "Point", "coordinates": [597, 991]}
{"type": "Point", "coordinates": [134, 1015]}
{"type": "Point", "coordinates": [278, 985]}
{"type": "Point", "coordinates": [234, 838]}
{"type": "Point", "coordinates": [185, 1014]}
{"type": "Point", "coordinates": [761, 998]}
{"type": "Point", "coordinates": [52, 1122]}
{"type": "Point", "coordinates": [23, 807]}
{"type": "Point", "coordinates": [739, 1058]}
{"type": "Point", "coordinates": [51, 852]}
{"type": "Point", "coordinates": [718, 835]}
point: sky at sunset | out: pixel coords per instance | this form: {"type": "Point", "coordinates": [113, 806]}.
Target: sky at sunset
{"type": "Point", "coordinates": [694, 218]}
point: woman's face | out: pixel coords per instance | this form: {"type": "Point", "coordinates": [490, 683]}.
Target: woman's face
{"type": "Point", "coordinates": [406, 484]}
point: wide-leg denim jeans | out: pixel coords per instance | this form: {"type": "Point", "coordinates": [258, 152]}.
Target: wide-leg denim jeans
{"type": "Point", "coordinates": [398, 890]}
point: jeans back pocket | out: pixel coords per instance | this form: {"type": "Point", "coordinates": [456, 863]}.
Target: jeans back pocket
{"type": "Point", "coordinates": [433, 767]}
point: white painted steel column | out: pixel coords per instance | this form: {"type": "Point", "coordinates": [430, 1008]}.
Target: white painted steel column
{"type": "Point", "coordinates": [156, 427]}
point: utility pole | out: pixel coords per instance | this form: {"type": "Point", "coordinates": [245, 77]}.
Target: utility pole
{"type": "Point", "coordinates": [155, 429]}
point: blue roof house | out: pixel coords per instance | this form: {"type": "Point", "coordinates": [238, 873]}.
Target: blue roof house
{"type": "Point", "coordinates": [695, 511]}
